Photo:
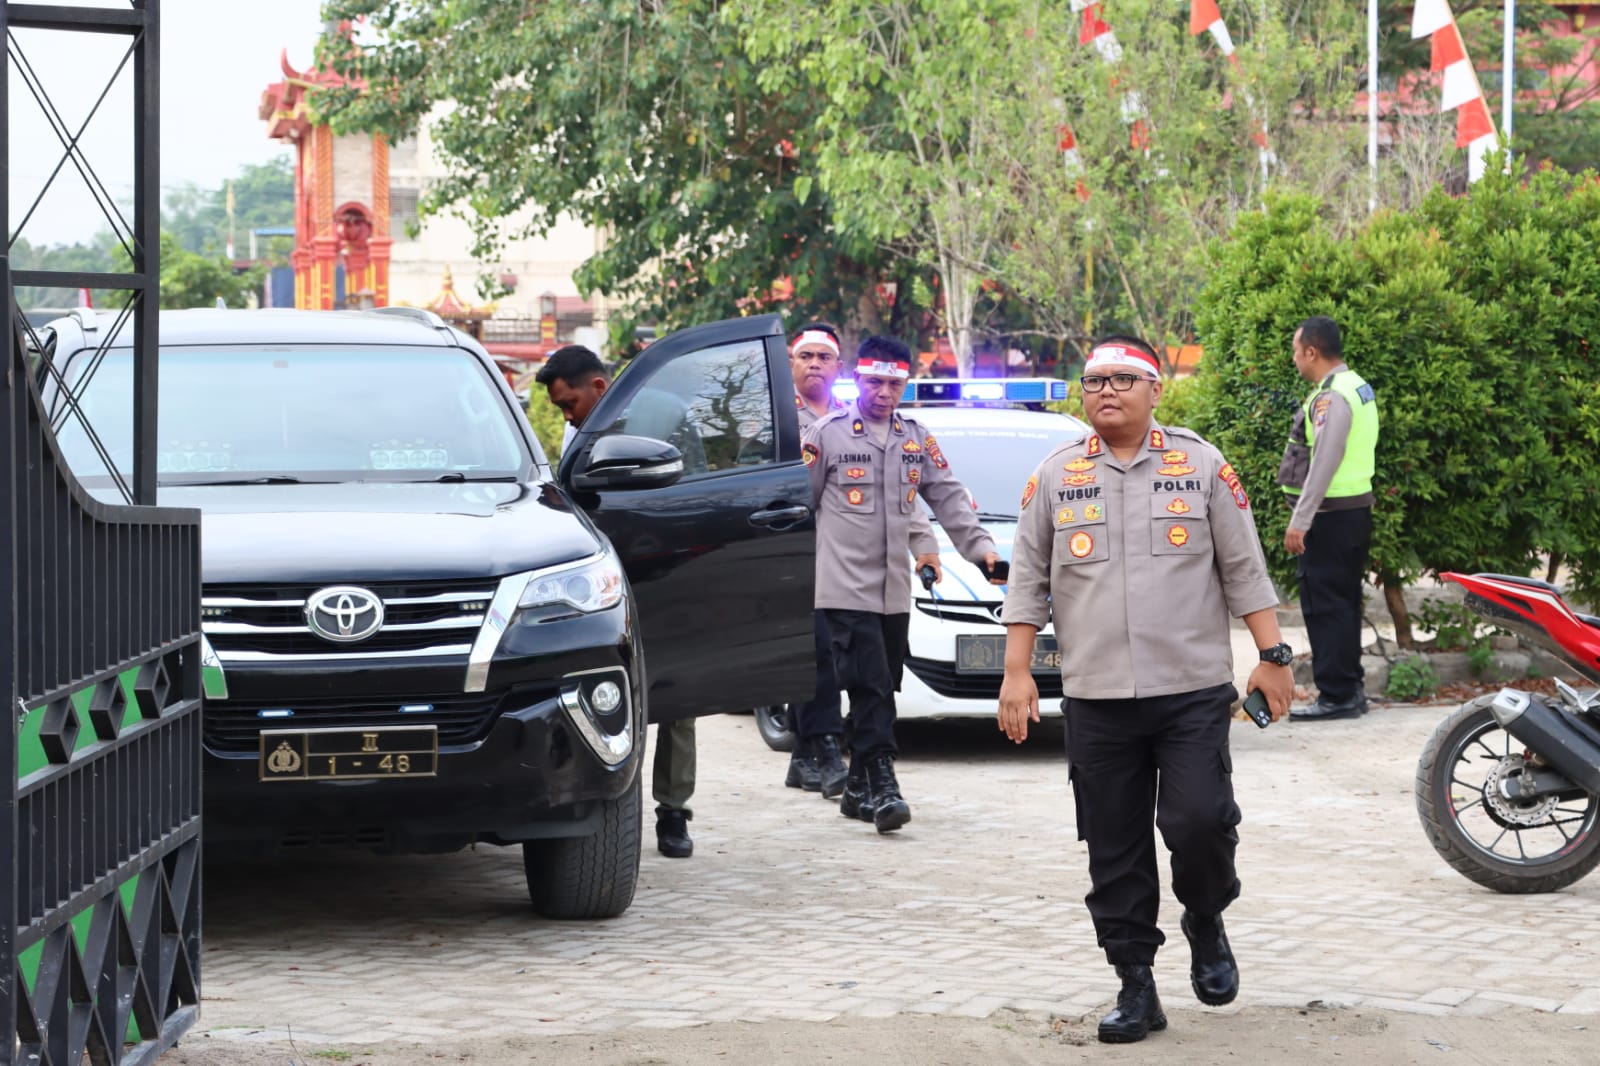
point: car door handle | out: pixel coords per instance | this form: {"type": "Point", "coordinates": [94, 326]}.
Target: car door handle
{"type": "Point", "coordinates": [780, 516]}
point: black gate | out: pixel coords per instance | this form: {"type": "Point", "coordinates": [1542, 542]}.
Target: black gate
{"type": "Point", "coordinates": [99, 652]}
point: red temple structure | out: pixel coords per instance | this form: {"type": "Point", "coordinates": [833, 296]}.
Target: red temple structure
{"type": "Point", "coordinates": [341, 199]}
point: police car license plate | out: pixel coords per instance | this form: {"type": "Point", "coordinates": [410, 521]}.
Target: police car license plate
{"type": "Point", "coordinates": [349, 754]}
{"type": "Point", "coordinates": [987, 655]}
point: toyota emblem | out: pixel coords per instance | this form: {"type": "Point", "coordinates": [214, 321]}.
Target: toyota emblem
{"type": "Point", "coordinates": [344, 614]}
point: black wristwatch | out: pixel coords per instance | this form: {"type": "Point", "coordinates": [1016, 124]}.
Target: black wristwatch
{"type": "Point", "coordinates": [1278, 655]}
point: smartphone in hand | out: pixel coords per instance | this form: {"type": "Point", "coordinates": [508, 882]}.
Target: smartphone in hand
{"type": "Point", "coordinates": [1255, 705]}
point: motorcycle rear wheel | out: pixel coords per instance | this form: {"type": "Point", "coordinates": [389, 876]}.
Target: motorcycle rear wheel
{"type": "Point", "coordinates": [1509, 847]}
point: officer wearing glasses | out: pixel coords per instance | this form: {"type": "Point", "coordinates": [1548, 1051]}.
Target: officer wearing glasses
{"type": "Point", "coordinates": [1138, 542]}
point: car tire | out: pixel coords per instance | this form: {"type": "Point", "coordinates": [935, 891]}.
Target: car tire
{"type": "Point", "coordinates": [772, 722]}
{"type": "Point", "coordinates": [585, 878]}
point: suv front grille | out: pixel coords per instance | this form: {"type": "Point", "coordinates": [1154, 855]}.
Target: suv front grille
{"type": "Point", "coordinates": [236, 725]}
{"type": "Point", "coordinates": [943, 679]}
{"type": "Point", "coordinates": [252, 621]}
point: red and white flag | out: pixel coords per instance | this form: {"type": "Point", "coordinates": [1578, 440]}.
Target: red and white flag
{"type": "Point", "coordinates": [1095, 31]}
{"type": "Point", "coordinates": [1206, 17]}
{"type": "Point", "coordinates": [1460, 91]}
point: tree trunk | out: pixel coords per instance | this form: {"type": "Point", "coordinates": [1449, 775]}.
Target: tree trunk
{"type": "Point", "coordinates": [1556, 559]}
{"type": "Point", "coordinates": [1394, 596]}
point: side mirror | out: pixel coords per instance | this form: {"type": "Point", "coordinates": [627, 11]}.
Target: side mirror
{"type": "Point", "coordinates": [624, 462]}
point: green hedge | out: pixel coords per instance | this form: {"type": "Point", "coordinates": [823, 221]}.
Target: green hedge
{"type": "Point", "coordinates": [1472, 318]}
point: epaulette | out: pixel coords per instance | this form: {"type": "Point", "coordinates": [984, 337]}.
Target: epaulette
{"type": "Point", "coordinates": [1184, 431]}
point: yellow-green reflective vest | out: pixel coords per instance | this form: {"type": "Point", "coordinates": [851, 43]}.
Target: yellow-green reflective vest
{"type": "Point", "coordinates": [1354, 474]}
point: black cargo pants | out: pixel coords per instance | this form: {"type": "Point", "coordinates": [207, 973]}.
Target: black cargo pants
{"type": "Point", "coordinates": [1330, 572]}
{"type": "Point", "coordinates": [869, 653]}
{"type": "Point", "coordinates": [1161, 760]}
{"type": "Point", "coordinates": [819, 714]}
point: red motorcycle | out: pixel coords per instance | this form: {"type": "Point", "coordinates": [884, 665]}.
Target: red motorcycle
{"type": "Point", "coordinates": [1508, 787]}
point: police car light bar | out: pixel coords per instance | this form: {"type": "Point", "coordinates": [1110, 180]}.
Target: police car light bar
{"type": "Point", "coordinates": [969, 390]}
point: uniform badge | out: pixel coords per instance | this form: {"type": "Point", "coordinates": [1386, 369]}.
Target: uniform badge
{"type": "Point", "coordinates": [1064, 516]}
{"type": "Point", "coordinates": [798, 402]}
{"type": "Point", "coordinates": [856, 497]}
{"type": "Point", "coordinates": [1319, 410]}
{"type": "Point", "coordinates": [911, 446]}
{"type": "Point", "coordinates": [1174, 470]}
{"type": "Point", "coordinates": [899, 426]}
{"type": "Point", "coordinates": [1175, 457]}
{"type": "Point", "coordinates": [1230, 478]}
{"type": "Point", "coordinates": [1029, 489]}
{"type": "Point", "coordinates": [911, 495]}
{"type": "Point", "coordinates": [1157, 440]}
{"type": "Point", "coordinates": [914, 475]}
{"type": "Point", "coordinates": [858, 427]}
{"type": "Point", "coordinates": [1094, 446]}
{"type": "Point", "coordinates": [1178, 536]}
{"type": "Point", "coordinates": [934, 453]}
{"type": "Point", "coordinates": [855, 473]}
{"type": "Point", "coordinates": [810, 454]}
{"type": "Point", "coordinates": [1078, 480]}
{"type": "Point", "coordinates": [1093, 513]}
{"type": "Point", "coordinates": [1177, 506]}
{"type": "Point", "coordinates": [1080, 544]}
{"type": "Point", "coordinates": [1078, 466]}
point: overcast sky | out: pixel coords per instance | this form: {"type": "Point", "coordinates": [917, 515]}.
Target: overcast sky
{"type": "Point", "coordinates": [216, 58]}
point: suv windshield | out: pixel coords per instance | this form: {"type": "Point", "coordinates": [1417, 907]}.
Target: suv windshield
{"type": "Point", "coordinates": [300, 413]}
{"type": "Point", "coordinates": [995, 462]}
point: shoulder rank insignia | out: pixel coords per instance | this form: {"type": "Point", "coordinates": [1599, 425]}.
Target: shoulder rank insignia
{"type": "Point", "coordinates": [858, 427]}
{"type": "Point", "coordinates": [1230, 478]}
{"type": "Point", "coordinates": [899, 426]}
{"type": "Point", "coordinates": [1094, 446]}
{"type": "Point", "coordinates": [798, 402]}
{"type": "Point", "coordinates": [1157, 440]}
{"type": "Point", "coordinates": [1029, 489]}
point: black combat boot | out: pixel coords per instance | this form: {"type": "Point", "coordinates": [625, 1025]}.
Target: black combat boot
{"type": "Point", "coordinates": [1212, 971]}
{"type": "Point", "coordinates": [672, 833]}
{"type": "Point", "coordinates": [889, 810]}
{"type": "Point", "coordinates": [1138, 1010]}
{"type": "Point", "coordinates": [803, 767]}
{"type": "Point", "coordinates": [831, 772]}
{"type": "Point", "coordinates": [856, 802]}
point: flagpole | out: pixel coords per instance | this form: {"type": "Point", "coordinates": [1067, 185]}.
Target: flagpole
{"type": "Point", "coordinates": [1372, 102]}
{"type": "Point", "coordinates": [1508, 75]}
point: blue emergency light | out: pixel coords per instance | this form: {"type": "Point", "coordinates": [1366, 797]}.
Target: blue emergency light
{"type": "Point", "coordinates": [971, 391]}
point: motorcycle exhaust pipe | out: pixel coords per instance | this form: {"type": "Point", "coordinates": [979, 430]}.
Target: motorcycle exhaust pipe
{"type": "Point", "coordinates": [1557, 737]}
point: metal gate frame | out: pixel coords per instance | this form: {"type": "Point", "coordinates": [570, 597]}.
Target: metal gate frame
{"type": "Point", "coordinates": [99, 655]}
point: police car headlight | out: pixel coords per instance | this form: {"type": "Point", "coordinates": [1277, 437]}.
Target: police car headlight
{"type": "Point", "coordinates": [592, 587]}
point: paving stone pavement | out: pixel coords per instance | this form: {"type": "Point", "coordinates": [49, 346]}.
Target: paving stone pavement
{"type": "Point", "coordinates": [788, 911]}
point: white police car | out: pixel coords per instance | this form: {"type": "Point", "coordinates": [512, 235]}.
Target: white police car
{"type": "Point", "coordinates": [956, 649]}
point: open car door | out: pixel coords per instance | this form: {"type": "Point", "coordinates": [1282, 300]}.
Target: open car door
{"type": "Point", "coordinates": [690, 464]}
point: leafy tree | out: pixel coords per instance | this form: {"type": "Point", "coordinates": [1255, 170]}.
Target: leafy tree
{"type": "Point", "coordinates": [645, 121]}
{"type": "Point", "coordinates": [192, 280]}
{"type": "Point", "coordinates": [101, 254]}
{"type": "Point", "coordinates": [1472, 317]}
{"type": "Point", "coordinates": [263, 197]}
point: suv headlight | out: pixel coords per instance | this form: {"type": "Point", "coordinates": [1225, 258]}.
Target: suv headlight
{"type": "Point", "coordinates": [589, 587]}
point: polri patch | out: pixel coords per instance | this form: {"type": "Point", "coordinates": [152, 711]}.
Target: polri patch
{"type": "Point", "coordinates": [934, 453]}
{"type": "Point", "coordinates": [1230, 478]}
{"type": "Point", "coordinates": [1029, 489]}
{"type": "Point", "coordinates": [810, 454]}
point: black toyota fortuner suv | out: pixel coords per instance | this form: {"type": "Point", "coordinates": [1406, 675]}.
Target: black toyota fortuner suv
{"type": "Point", "coordinates": [420, 635]}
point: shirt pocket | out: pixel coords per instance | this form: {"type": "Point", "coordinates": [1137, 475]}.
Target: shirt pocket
{"type": "Point", "coordinates": [858, 487]}
{"type": "Point", "coordinates": [1081, 533]}
{"type": "Point", "coordinates": [1179, 524]}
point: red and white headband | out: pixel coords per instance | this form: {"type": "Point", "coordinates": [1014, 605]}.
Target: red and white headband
{"type": "Point", "coordinates": [1119, 355]}
{"type": "Point", "coordinates": [882, 368]}
{"type": "Point", "coordinates": [814, 336]}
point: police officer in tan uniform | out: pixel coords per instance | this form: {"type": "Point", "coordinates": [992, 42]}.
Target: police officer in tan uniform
{"type": "Point", "coordinates": [1138, 542]}
{"type": "Point", "coordinates": [869, 465]}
